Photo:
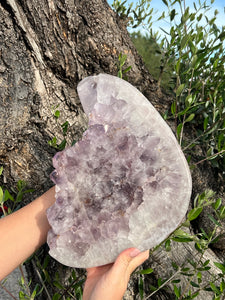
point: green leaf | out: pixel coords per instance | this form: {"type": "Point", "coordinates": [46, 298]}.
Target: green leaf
{"type": "Point", "coordinates": [214, 220]}
{"type": "Point", "coordinates": [174, 265]}
{"type": "Point", "coordinates": [190, 118]}
{"type": "Point", "coordinates": [168, 245]}
{"type": "Point", "coordinates": [192, 262]}
{"type": "Point", "coordinates": [172, 14]}
{"type": "Point", "coordinates": [205, 124]}
{"type": "Point", "coordinates": [184, 41]}
{"type": "Point", "coordinates": [141, 287]}
{"type": "Point", "coordinates": [22, 295]}
{"type": "Point", "coordinates": [188, 100]}
{"type": "Point", "coordinates": [73, 142]}
{"type": "Point", "coordinates": [199, 19]}
{"type": "Point", "coordinates": [222, 286]}
{"type": "Point", "coordinates": [165, 116]}
{"type": "Point", "coordinates": [165, 2]}
{"type": "Point", "coordinates": [222, 212]}
{"type": "Point", "coordinates": [57, 114]}
{"type": "Point", "coordinates": [1, 195]}
{"type": "Point", "coordinates": [162, 16]}
{"type": "Point", "coordinates": [217, 204]}
{"type": "Point", "coordinates": [194, 213]}
{"type": "Point", "coordinates": [194, 295]}
{"type": "Point", "coordinates": [46, 261]}
{"type": "Point", "coordinates": [53, 142]}
{"type": "Point", "coordinates": [206, 263]}
{"type": "Point", "coordinates": [194, 284]}
{"type": "Point", "coordinates": [119, 74]}
{"type": "Point", "coordinates": [62, 145]}
{"type": "Point", "coordinates": [33, 294]}
{"type": "Point", "coordinates": [21, 184]}
{"type": "Point", "coordinates": [185, 269]}
{"type": "Point", "coordinates": [127, 69]}
{"type": "Point", "coordinates": [160, 282]}
{"type": "Point", "coordinates": [198, 247]}
{"type": "Point", "coordinates": [181, 236]}
{"type": "Point", "coordinates": [179, 128]}
{"type": "Point", "coordinates": [74, 275]}
{"type": "Point", "coordinates": [122, 60]}
{"type": "Point", "coordinates": [221, 141]}
{"type": "Point", "coordinates": [192, 47]}
{"type": "Point", "coordinates": [189, 156]}
{"type": "Point", "coordinates": [194, 61]}
{"type": "Point", "coordinates": [58, 285]}
{"type": "Point", "coordinates": [152, 288]}
{"type": "Point", "coordinates": [56, 296]}
{"type": "Point", "coordinates": [215, 64]}
{"type": "Point", "coordinates": [222, 36]}
{"type": "Point", "coordinates": [176, 291]}
{"type": "Point", "coordinates": [65, 127]}
{"type": "Point", "coordinates": [177, 66]}
{"type": "Point", "coordinates": [180, 89]}
{"type": "Point", "coordinates": [173, 108]}
{"type": "Point", "coordinates": [220, 266]}
{"type": "Point", "coordinates": [176, 281]}
{"type": "Point", "coordinates": [22, 280]}
{"type": "Point", "coordinates": [8, 196]}
{"type": "Point", "coordinates": [29, 191]}
{"type": "Point", "coordinates": [192, 17]}
{"type": "Point", "coordinates": [1, 170]}
{"type": "Point", "coordinates": [146, 271]}
{"type": "Point", "coordinates": [205, 235]}
{"type": "Point", "coordinates": [214, 288]}
{"type": "Point", "coordinates": [199, 277]}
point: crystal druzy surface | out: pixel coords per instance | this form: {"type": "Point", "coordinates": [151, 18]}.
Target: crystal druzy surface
{"type": "Point", "coordinates": [125, 184]}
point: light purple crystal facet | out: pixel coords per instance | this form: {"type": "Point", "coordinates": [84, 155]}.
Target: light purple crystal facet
{"type": "Point", "coordinates": [125, 184]}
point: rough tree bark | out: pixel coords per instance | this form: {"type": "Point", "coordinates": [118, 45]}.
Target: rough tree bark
{"type": "Point", "coordinates": [46, 48]}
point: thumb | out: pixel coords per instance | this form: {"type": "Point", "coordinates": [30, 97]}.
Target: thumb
{"type": "Point", "coordinates": [128, 261]}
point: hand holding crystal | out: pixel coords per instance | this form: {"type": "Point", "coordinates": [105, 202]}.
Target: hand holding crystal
{"type": "Point", "coordinates": [110, 281]}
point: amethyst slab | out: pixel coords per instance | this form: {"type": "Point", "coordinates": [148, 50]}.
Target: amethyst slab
{"type": "Point", "coordinates": [126, 183]}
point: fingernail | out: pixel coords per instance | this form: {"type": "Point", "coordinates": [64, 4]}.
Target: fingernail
{"type": "Point", "coordinates": [134, 252]}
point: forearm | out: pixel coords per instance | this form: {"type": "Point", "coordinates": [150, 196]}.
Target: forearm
{"type": "Point", "coordinates": [23, 232]}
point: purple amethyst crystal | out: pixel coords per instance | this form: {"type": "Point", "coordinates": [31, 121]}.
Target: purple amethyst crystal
{"type": "Point", "coordinates": [125, 184]}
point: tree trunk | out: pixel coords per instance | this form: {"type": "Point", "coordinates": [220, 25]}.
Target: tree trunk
{"type": "Point", "coordinates": [47, 47]}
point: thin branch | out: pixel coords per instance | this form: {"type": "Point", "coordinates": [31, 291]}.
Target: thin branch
{"type": "Point", "coordinates": [165, 283]}
{"type": "Point", "coordinates": [182, 130]}
{"type": "Point", "coordinates": [222, 151]}
{"type": "Point", "coordinates": [204, 133]}
{"type": "Point", "coordinates": [41, 280]}
{"type": "Point", "coordinates": [7, 291]}
{"type": "Point", "coordinates": [68, 288]}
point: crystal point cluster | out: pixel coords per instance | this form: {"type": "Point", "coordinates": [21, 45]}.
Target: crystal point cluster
{"type": "Point", "coordinates": [125, 184]}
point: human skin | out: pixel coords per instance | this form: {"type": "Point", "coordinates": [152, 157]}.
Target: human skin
{"type": "Point", "coordinates": [110, 281]}
{"type": "Point", "coordinates": [26, 230]}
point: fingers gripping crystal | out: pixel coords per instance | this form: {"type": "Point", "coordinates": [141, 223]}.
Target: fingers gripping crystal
{"type": "Point", "coordinates": [126, 183]}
